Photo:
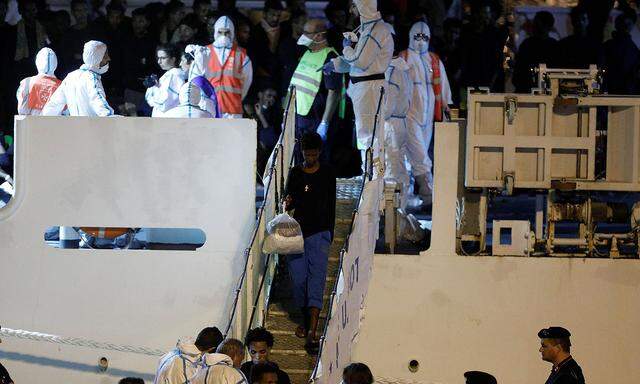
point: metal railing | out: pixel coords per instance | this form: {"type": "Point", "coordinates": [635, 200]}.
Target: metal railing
{"type": "Point", "coordinates": [368, 175]}
{"type": "Point", "coordinates": [252, 292]}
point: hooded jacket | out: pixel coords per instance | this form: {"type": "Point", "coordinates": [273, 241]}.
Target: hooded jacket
{"type": "Point", "coordinates": [82, 91]}
{"type": "Point", "coordinates": [372, 53]}
{"type": "Point", "coordinates": [164, 96]}
{"type": "Point", "coordinates": [202, 55]}
{"type": "Point", "coordinates": [35, 91]}
{"type": "Point", "coordinates": [217, 368]}
{"type": "Point", "coordinates": [179, 365]}
{"type": "Point", "coordinates": [190, 97]}
{"type": "Point", "coordinates": [399, 88]}
{"type": "Point", "coordinates": [418, 57]}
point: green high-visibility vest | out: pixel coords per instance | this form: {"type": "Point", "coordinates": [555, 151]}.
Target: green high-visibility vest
{"type": "Point", "coordinates": [307, 78]}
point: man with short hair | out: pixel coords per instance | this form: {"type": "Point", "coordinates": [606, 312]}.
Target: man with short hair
{"type": "Point", "coordinates": [357, 373]}
{"type": "Point", "coordinates": [234, 349]}
{"type": "Point", "coordinates": [578, 50]}
{"type": "Point", "coordinates": [317, 96]}
{"type": "Point", "coordinates": [311, 193]}
{"type": "Point", "coordinates": [556, 349]}
{"type": "Point", "coordinates": [180, 365]}
{"type": "Point", "coordinates": [264, 373]}
{"type": "Point", "coordinates": [259, 342]}
{"type": "Point", "coordinates": [539, 48]}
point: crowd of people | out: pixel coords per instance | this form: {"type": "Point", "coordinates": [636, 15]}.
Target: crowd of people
{"type": "Point", "coordinates": [172, 60]}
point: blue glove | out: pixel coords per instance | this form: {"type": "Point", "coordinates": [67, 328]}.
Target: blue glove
{"type": "Point", "coordinates": [322, 129]}
{"type": "Point", "coordinates": [328, 68]}
{"type": "Point", "coordinates": [346, 42]}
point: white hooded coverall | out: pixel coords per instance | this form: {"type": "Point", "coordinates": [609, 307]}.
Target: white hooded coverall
{"type": "Point", "coordinates": [164, 96]}
{"type": "Point", "coordinates": [370, 56]}
{"type": "Point", "coordinates": [221, 48]}
{"type": "Point", "coordinates": [179, 365]}
{"type": "Point", "coordinates": [190, 96]}
{"type": "Point", "coordinates": [217, 368]}
{"type": "Point", "coordinates": [399, 140]}
{"type": "Point", "coordinates": [423, 106]}
{"type": "Point", "coordinates": [46, 63]}
{"type": "Point", "coordinates": [81, 91]}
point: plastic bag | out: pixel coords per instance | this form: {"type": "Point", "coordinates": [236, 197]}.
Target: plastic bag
{"type": "Point", "coordinates": [284, 236]}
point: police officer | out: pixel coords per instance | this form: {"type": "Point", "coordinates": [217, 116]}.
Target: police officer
{"type": "Point", "coordinates": [479, 377]}
{"type": "Point", "coordinates": [556, 349]}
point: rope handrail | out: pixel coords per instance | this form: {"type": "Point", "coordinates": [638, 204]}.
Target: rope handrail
{"type": "Point", "coordinates": [366, 177]}
{"type": "Point", "coordinates": [78, 342]}
{"type": "Point", "coordinates": [278, 152]}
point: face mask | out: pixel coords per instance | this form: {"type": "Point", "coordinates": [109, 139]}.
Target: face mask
{"type": "Point", "coordinates": [421, 45]}
{"type": "Point", "coordinates": [102, 70]}
{"type": "Point", "coordinates": [304, 40]}
{"type": "Point", "coordinates": [223, 41]}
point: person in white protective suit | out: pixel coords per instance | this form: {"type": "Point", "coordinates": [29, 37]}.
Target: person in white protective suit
{"type": "Point", "coordinates": [217, 368]}
{"type": "Point", "coordinates": [227, 67]}
{"type": "Point", "coordinates": [190, 96]}
{"type": "Point", "coordinates": [180, 365]}
{"type": "Point", "coordinates": [400, 142]}
{"type": "Point", "coordinates": [162, 94]}
{"type": "Point", "coordinates": [34, 92]}
{"type": "Point", "coordinates": [431, 96]}
{"type": "Point", "coordinates": [366, 55]}
{"type": "Point", "coordinates": [82, 91]}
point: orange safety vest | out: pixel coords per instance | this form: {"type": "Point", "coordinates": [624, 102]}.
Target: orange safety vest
{"type": "Point", "coordinates": [40, 88]}
{"type": "Point", "coordinates": [227, 79]}
{"type": "Point", "coordinates": [436, 82]}
{"type": "Point", "coordinates": [437, 86]}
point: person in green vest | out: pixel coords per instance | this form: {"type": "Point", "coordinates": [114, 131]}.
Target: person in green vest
{"type": "Point", "coordinates": [319, 97]}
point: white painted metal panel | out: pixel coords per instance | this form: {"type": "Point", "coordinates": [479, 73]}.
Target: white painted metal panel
{"type": "Point", "coordinates": [120, 172]}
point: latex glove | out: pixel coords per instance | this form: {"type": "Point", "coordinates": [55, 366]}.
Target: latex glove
{"type": "Point", "coordinates": [322, 129]}
{"type": "Point", "coordinates": [351, 36]}
{"type": "Point", "coordinates": [328, 68]}
{"type": "Point", "coordinates": [191, 49]}
{"type": "Point", "coordinates": [150, 81]}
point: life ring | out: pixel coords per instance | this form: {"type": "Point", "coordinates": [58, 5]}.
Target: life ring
{"type": "Point", "coordinates": [105, 233]}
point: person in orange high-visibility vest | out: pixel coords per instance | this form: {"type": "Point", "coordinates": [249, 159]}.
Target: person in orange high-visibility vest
{"type": "Point", "coordinates": [227, 67]}
{"type": "Point", "coordinates": [34, 92]}
{"type": "Point", "coordinates": [431, 97]}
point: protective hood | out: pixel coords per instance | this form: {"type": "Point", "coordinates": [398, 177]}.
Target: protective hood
{"type": "Point", "coordinates": [368, 9]}
{"type": "Point", "coordinates": [188, 350]}
{"type": "Point", "coordinates": [189, 94]}
{"type": "Point", "coordinates": [46, 61]}
{"type": "Point", "coordinates": [419, 27]}
{"type": "Point", "coordinates": [93, 54]}
{"type": "Point", "coordinates": [210, 359]}
{"type": "Point", "coordinates": [223, 22]}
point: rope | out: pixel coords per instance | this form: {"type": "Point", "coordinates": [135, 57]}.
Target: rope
{"type": "Point", "coordinates": [78, 342]}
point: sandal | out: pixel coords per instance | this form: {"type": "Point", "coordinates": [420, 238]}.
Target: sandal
{"type": "Point", "coordinates": [301, 332]}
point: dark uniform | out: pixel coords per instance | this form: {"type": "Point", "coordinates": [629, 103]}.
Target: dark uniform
{"type": "Point", "coordinates": [567, 372]}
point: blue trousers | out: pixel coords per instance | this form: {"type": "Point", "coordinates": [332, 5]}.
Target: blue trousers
{"type": "Point", "coordinates": [308, 271]}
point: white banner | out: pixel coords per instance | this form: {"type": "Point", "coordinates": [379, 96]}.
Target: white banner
{"type": "Point", "coordinates": [353, 282]}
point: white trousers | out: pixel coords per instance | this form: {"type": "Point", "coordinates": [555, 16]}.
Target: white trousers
{"type": "Point", "coordinates": [365, 96]}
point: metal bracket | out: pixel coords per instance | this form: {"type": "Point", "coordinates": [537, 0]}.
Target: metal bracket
{"type": "Point", "coordinates": [511, 108]}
